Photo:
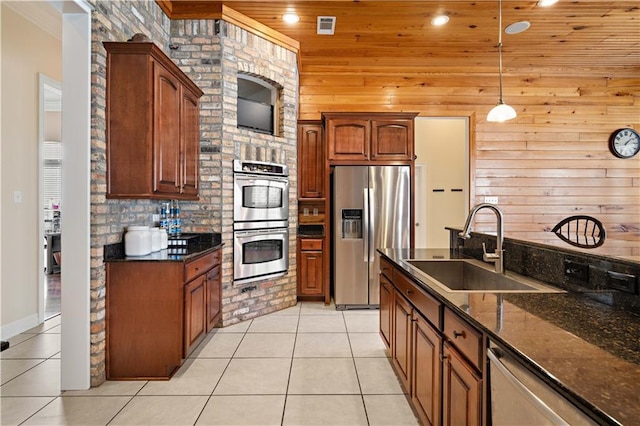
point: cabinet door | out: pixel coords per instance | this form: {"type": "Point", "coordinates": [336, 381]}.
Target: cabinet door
{"type": "Point", "coordinates": [311, 279]}
{"type": "Point", "coordinates": [310, 161]}
{"type": "Point", "coordinates": [166, 132]}
{"type": "Point", "coordinates": [462, 391]}
{"type": "Point", "coordinates": [426, 371]}
{"type": "Point", "coordinates": [214, 297]}
{"type": "Point", "coordinates": [190, 143]}
{"type": "Point", "coordinates": [386, 310]}
{"type": "Point", "coordinates": [348, 138]}
{"type": "Point", "coordinates": [392, 139]}
{"type": "Point", "coordinates": [195, 301]}
{"type": "Point", "coordinates": [401, 348]}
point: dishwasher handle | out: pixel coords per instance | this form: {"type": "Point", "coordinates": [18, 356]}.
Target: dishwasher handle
{"type": "Point", "coordinates": [551, 416]}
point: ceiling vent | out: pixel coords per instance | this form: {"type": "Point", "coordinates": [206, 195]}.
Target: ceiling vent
{"type": "Point", "coordinates": [326, 24]}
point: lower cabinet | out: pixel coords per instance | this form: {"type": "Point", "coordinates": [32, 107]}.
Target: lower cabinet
{"type": "Point", "coordinates": [386, 303]}
{"type": "Point", "coordinates": [214, 297]}
{"type": "Point", "coordinates": [462, 390]}
{"type": "Point", "coordinates": [310, 267]}
{"type": "Point", "coordinates": [202, 300]}
{"type": "Point", "coordinates": [195, 309]}
{"type": "Point", "coordinates": [426, 371]}
{"type": "Point", "coordinates": [157, 312]}
{"type": "Point", "coordinates": [401, 346]}
{"type": "Point", "coordinates": [435, 354]}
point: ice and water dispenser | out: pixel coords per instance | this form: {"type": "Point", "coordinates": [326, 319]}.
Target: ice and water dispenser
{"type": "Point", "coordinates": [352, 224]}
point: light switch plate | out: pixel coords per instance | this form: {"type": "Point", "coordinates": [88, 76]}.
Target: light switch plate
{"type": "Point", "coordinates": [17, 197]}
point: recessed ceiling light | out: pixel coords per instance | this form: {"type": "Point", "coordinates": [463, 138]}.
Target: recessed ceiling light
{"type": "Point", "coordinates": [517, 27]}
{"type": "Point", "coordinates": [546, 3]}
{"type": "Point", "coordinates": [439, 20]}
{"type": "Point", "coordinates": [290, 18]}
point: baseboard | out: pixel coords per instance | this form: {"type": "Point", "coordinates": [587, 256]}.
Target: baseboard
{"type": "Point", "coordinates": [14, 328]}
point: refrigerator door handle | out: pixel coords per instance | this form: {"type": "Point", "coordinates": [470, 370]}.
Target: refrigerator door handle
{"type": "Point", "coordinates": [365, 223]}
{"type": "Point", "coordinates": [372, 226]}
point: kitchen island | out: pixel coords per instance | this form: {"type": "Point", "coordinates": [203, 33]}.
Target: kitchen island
{"type": "Point", "coordinates": [586, 350]}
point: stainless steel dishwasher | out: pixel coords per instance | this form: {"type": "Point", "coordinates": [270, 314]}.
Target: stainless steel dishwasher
{"type": "Point", "coordinates": [519, 397]}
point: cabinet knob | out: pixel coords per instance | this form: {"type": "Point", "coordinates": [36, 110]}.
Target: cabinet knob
{"type": "Point", "coordinates": [457, 334]}
{"type": "Point", "coordinates": [409, 292]}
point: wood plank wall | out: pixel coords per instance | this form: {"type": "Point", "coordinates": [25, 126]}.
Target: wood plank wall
{"type": "Point", "coordinates": [549, 163]}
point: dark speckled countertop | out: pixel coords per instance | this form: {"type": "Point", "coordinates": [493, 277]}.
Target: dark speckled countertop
{"type": "Point", "coordinates": [196, 245]}
{"type": "Point", "coordinates": [588, 349]}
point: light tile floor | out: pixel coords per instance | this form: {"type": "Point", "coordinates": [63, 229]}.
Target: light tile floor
{"type": "Point", "coordinates": [306, 365]}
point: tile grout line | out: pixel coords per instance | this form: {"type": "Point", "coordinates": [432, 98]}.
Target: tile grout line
{"type": "Point", "coordinates": [286, 392]}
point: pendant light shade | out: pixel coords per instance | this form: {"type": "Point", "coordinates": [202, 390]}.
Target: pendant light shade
{"type": "Point", "coordinates": [501, 112]}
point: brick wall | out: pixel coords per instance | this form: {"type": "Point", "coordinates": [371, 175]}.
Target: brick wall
{"type": "Point", "coordinates": [211, 60]}
{"type": "Point", "coordinates": [112, 21]}
{"type": "Point", "coordinates": [212, 54]}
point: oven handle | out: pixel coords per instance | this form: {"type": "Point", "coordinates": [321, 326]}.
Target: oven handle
{"type": "Point", "coordinates": [249, 177]}
{"type": "Point", "coordinates": [262, 232]}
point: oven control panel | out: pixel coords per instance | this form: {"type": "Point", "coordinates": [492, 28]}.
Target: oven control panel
{"type": "Point", "coordinates": [259, 167]}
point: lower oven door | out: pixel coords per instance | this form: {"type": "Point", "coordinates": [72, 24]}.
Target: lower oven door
{"type": "Point", "coordinates": [260, 254]}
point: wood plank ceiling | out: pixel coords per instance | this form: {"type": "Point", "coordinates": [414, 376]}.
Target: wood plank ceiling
{"type": "Point", "coordinates": [390, 37]}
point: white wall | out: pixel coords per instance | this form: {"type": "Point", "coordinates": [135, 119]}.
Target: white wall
{"type": "Point", "coordinates": [441, 146]}
{"type": "Point", "coordinates": [26, 51]}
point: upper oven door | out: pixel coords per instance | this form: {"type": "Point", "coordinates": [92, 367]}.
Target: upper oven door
{"type": "Point", "coordinates": [260, 198]}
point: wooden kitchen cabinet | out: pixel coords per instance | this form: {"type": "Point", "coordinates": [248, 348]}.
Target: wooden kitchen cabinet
{"type": "Point", "coordinates": [426, 370]}
{"type": "Point", "coordinates": [437, 355]}
{"type": "Point", "coordinates": [310, 267]}
{"type": "Point", "coordinates": [384, 137]}
{"type": "Point", "coordinates": [401, 340]}
{"type": "Point", "coordinates": [311, 176]}
{"type": "Point", "coordinates": [195, 318]}
{"type": "Point", "coordinates": [157, 312]}
{"type": "Point", "coordinates": [214, 296]}
{"type": "Point", "coordinates": [462, 390]}
{"type": "Point", "coordinates": [386, 310]}
{"type": "Point", "coordinates": [153, 125]}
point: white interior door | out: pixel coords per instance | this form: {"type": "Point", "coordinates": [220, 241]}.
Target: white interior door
{"type": "Point", "coordinates": [441, 144]}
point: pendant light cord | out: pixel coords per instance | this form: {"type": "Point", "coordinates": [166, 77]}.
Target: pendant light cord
{"type": "Point", "coordinates": [500, 45]}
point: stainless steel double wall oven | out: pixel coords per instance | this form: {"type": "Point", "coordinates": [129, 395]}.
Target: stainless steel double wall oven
{"type": "Point", "coordinates": [260, 220]}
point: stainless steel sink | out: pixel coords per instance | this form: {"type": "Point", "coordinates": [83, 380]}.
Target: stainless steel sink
{"type": "Point", "coordinates": [468, 275]}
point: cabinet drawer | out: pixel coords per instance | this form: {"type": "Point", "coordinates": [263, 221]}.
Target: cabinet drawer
{"type": "Point", "coordinates": [386, 268]}
{"type": "Point", "coordinates": [310, 244]}
{"type": "Point", "coordinates": [427, 305]}
{"type": "Point", "coordinates": [464, 337]}
{"type": "Point", "coordinates": [201, 265]}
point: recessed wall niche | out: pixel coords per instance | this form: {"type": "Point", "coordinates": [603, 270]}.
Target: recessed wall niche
{"type": "Point", "coordinates": [258, 104]}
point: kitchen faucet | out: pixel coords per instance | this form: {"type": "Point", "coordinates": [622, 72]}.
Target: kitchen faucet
{"type": "Point", "coordinates": [496, 257]}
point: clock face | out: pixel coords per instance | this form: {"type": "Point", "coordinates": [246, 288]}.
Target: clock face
{"type": "Point", "coordinates": [625, 143]}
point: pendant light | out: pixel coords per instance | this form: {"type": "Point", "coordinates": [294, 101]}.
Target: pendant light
{"type": "Point", "coordinates": [501, 112]}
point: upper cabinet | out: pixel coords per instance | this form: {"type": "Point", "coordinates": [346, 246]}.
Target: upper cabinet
{"type": "Point", "coordinates": [153, 125]}
{"type": "Point", "coordinates": [310, 160]}
{"type": "Point", "coordinates": [369, 136]}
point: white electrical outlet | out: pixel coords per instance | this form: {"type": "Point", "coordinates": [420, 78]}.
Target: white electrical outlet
{"type": "Point", "coordinates": [491, 200]}
{"type": "Point", "coordinates": [155, 218]}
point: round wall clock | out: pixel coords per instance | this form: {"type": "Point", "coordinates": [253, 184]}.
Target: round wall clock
{"type": "Point", "coordinates": [624, 143]}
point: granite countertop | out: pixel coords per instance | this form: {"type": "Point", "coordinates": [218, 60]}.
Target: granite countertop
{"type": "Point", "coordinates": [590, 350]}
{"type": "Point", "coordinates": [195, 245]}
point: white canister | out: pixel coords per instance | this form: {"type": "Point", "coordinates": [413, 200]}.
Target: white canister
{"type": "Point", "coordinates": [164, 239]}
{"type": "Point", "coordinates": [155, 239]}
{"type": "Point", "coordinates": [137, 241]}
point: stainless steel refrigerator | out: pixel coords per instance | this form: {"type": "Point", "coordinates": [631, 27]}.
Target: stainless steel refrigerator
{"type": "Point", "coordinates": [371, 209]}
